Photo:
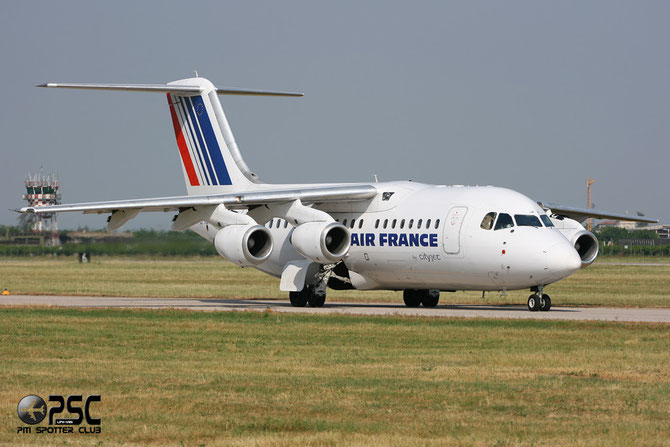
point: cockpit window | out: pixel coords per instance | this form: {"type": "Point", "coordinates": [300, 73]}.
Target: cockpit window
{"type": "Point", "coordinates": [487, 221]}
{"type": "Point", "coordinates": [504, 221]}
{"type": "Point", "coordinates": [547, 221]}
{"type": "Point", "coordinates": [527, 220]}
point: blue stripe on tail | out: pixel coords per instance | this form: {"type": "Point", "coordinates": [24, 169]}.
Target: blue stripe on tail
{"type": "Point", "coordinates": [189, 106]}
{"type": "Point", "coordinates": [212, 142]}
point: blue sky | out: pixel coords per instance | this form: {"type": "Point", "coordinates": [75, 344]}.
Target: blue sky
{"type": "Point", "coordinates": [534, 96]}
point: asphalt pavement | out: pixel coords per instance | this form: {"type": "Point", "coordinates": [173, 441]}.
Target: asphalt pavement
{"type": "Point", "coordinates": [653, 315]}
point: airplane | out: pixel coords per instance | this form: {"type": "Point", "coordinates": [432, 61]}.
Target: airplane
{"type": "Point", "coordinates": [31, 410]}
{"type": "Point", "coordinates": [400, 235]}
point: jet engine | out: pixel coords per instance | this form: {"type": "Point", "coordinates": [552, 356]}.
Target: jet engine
{"type": "Point", "coordinates": [245, 245]}
{"type": "Point", "coordinates": [583, 240]}
{"type": "Point", "coordinates": [322, 242]}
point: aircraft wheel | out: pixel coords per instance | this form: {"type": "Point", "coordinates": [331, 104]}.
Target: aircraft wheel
{"type": "Point", "coordinates": [430, 298]}
{"type": "Point", "coordinates": [534, 303]}
{"type": "Point", "coordinates": [316, 300]}
{"type": "Point", "coordinates": [546, 303]}
{"type": "Point", "coordinates": [411, 298]}
{"type": "Point", "coordinates": [298, 299]}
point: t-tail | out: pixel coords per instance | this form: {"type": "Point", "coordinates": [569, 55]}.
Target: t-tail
{"type": "Point", "coordinates": [210, 159]}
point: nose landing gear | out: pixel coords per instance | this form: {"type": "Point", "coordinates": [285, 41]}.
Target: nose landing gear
{"type": "Point", "coordinates": [539, 301]}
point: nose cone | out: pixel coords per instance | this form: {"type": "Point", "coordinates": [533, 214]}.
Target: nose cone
{"type": "Point", "coordinates": [563, 260]}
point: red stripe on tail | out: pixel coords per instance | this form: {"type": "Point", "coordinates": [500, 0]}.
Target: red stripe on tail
{"type": "Point", "coordinates": [183, 150]}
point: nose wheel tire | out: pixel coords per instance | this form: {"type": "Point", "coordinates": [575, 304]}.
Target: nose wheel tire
{"type": "Point", "coordinates": [534, 303]}
{"type": "Point", "coordinates": [546, 303]}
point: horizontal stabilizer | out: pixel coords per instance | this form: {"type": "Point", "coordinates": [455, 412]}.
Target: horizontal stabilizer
{"type": "Point", "coordinates": [168, 88]}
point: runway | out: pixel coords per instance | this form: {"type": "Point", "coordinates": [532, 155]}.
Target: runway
{"type": "Point", "coordinates": [649, 315]}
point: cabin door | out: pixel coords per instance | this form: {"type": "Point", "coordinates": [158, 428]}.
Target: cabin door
{"type": "Point", "coordinates": [451, 238]}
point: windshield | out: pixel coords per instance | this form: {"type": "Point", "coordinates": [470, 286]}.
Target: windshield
{"type": "Point", "coordinates": [547, 221]}
{"type": "Point", "coordinates": [487, 222]}
{"type": "Point", "coordinates": [527, 220]}
{"type": "Point", "coordinates": [504, 221]}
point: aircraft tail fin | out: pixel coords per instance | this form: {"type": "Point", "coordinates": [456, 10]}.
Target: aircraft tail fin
{"type": "Point", "coordinates": [211, 161]}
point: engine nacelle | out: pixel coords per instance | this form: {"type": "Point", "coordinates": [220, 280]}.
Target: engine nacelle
{"type": "Point", "coordinates": [322, 242]}
{"type": "Point", "coordinates": [245, 245]}
{"type": "Point", "coordinates": [583, 240]}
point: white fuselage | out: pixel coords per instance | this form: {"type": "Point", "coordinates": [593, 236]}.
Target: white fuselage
{"type": "Point", "coordinates": [418, 236]}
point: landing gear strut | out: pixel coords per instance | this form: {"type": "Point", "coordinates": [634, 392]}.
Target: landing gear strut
{"type": "Point", "coordinates": [414, 298]}
{"type": "Point", "coordinates": [539, 301]}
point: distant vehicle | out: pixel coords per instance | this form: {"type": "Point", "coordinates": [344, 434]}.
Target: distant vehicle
{"type": "Point", "coordinates": [399, 235]}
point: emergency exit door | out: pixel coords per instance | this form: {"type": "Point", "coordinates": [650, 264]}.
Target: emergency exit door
{"type": "Point", "coordinates": [451, 238]}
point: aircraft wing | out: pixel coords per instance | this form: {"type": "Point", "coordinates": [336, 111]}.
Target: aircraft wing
{"type": "Point", "coordinates": [233, 201]}
{"type": "Point", "coordinates": [581, 214]}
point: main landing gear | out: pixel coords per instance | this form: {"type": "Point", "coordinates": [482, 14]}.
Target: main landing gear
{"type": "Point", "coordinates": [414, 298]}
{"type": "Point", "coordinates": [539, 301]}
{"type": "Point", "coordinates": [308, 295]}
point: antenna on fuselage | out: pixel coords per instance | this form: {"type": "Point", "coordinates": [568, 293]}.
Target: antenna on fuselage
{"type": "Point", "coordinates": [376, 179]}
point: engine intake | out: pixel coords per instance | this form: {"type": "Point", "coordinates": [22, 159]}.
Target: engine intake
{"type": "Point", "coordinates": [322, 242]}
{"type": "Point", "coordinates": [586, 245]}
{"type": "Point", "coordinates": [584, 241]}
{"type": "Point", "coordinates": [246, 245]}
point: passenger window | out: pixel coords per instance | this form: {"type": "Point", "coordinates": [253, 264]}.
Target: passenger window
{"type": "Point", "coordinates": [504, 221]}
{"type": "Point", "coordinates": [286, 224]}
{"type": "Point", "coordinates": [353, 222]}
{"type": "Point", "coordinates": [527, 220]}
{"type": "Point", "coordinates": [344, 222]}
{"type": "Point", "coordinates": [547, 221]}
{"type": "Point", "coordinates": [487, 221]}
{"type": "Point", "coordinates": [411, 222]}
{"type": "Point", "coordinates": [402, 224]}
{"type": "Point", "coordinates": [377, 223]}
{"type": "Point", "coordinates": [437, 223]}
{"type": "Point", "coordinates": [360, 224]}
{"type": "Point", "coordinates": [393, 223]}
{"type": "Point", "coordinates": [272, 221]}
{"type": "Point", "coordinates": [428, 224]}
{"type": "Point", "coordinates": [418, 224]}
{"type": "Point", "coordinates": [386, 222]}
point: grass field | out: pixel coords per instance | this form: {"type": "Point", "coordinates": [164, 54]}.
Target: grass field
{"type": "Point", "coordinates": [177, 377]}
{"type": "Point", "coordinates": [601, 284]}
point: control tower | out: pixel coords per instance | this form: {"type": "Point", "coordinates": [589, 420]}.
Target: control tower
{"type": "Point", "coordinates": [43, 190]}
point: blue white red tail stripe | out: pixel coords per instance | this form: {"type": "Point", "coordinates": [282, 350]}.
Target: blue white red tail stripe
{"type": "Point", "coordinates": [195, 148]}
{"type": "Point", "coordinates": [201, 153]}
